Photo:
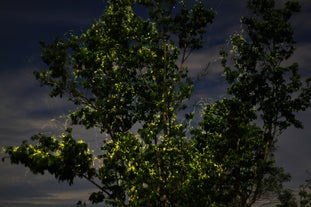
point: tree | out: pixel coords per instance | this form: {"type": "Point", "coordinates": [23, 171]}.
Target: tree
{"type": "Point", "coordinates": [122, 73]}
{"type": "Point", "coordinates": [305, 194]}
{"type": "Point", "coordinates": [127, 76]}
{"type": "Point", "coordinates": [265, 92]}
{"type": "Point", "coordinates": [287, 199]}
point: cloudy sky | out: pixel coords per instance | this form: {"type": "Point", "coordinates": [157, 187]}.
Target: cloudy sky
{"type": "Point", "coordinates": [26, 109]}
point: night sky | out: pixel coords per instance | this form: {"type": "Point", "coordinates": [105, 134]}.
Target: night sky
{"type": "Point", "coordinates": [26, 108]}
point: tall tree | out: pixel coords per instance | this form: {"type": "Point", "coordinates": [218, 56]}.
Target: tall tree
{"type": "Point", "coordinates": [265, 92]}
{"type": "Point", "coordinates": [126, 72]}
{"type": "Point", "coordinates": [127, 76]}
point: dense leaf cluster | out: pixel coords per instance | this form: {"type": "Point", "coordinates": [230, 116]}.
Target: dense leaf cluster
{"type": "Point", "coordinates": [63, 157]}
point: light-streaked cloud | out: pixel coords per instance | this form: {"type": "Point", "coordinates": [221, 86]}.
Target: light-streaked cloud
{"type": "Point", "coordinates": [25, 107]}
{"type": "Point", "coordinates": [40, 190]}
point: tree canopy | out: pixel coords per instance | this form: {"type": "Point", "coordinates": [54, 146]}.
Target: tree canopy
{"type": "Point", "coordinates": [127, 77]}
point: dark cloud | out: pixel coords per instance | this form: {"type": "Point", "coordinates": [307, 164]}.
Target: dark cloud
{"type": "Point", "coordinates": [226, 21]}
{"type": "Point", "coordinates": [294, 150]}
{"type": "Point", "coordinates": [35, 11]}
{"type": "Point", "coordinates": [25, 23]}
{"type": "Point", "coordinates": [301, 22]}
